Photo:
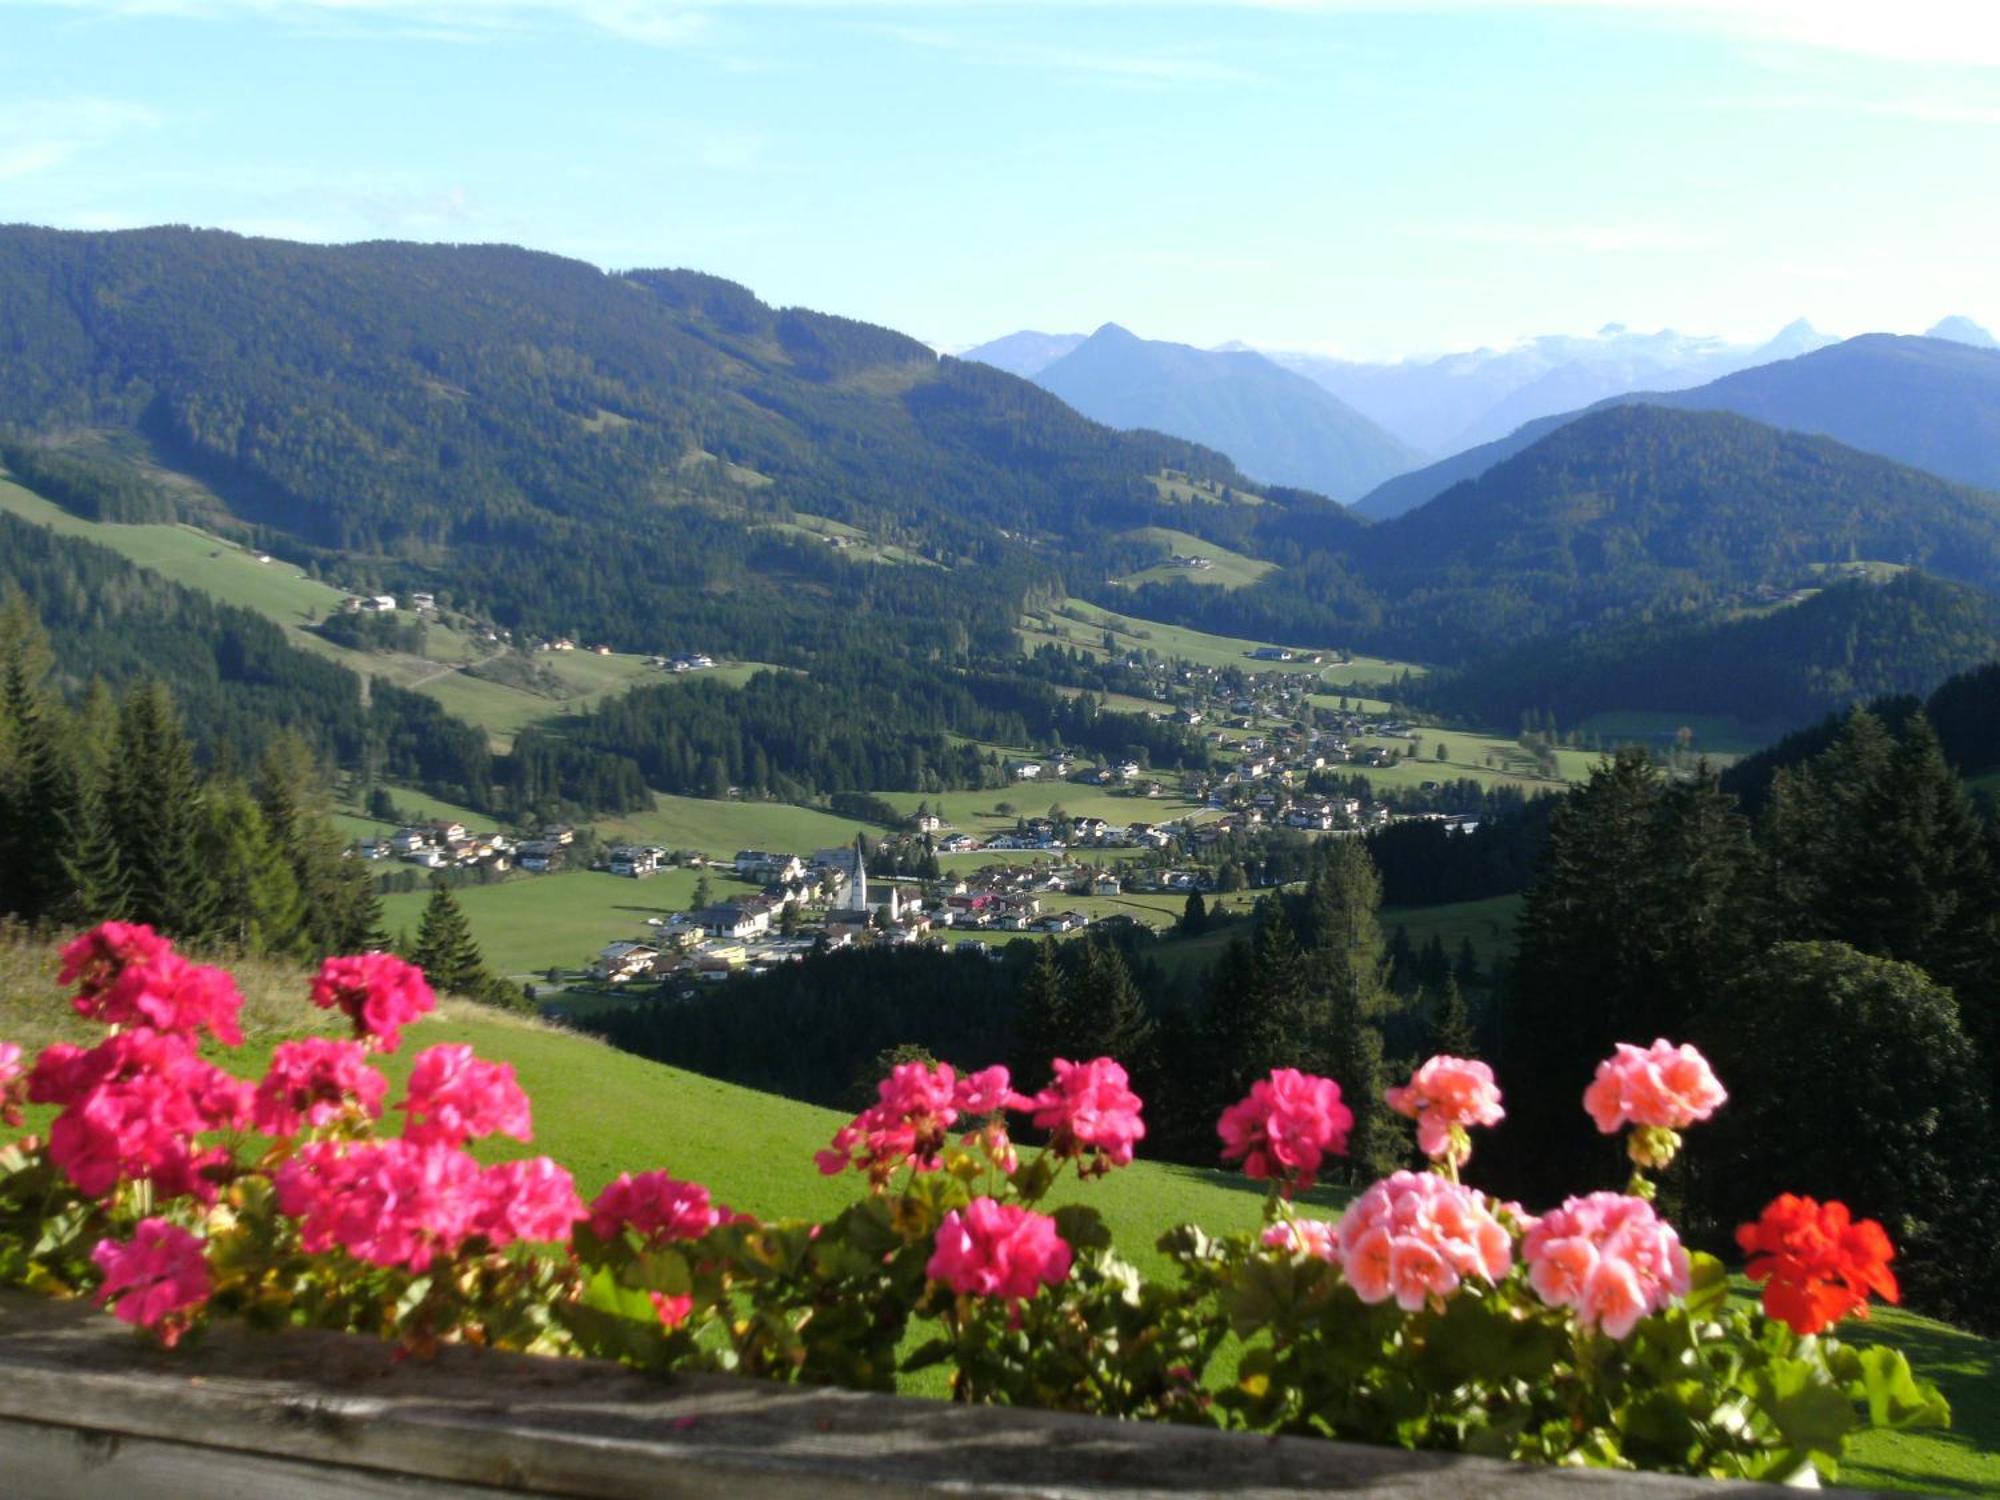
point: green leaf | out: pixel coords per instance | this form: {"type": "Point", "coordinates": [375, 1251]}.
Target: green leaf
{"type": "Point", "coordinates": [1708, 1284]}
{"type": "Point", "coordinates": [1809, 1412]}
{"type": "Point", "coordinates": [1896, 1398]}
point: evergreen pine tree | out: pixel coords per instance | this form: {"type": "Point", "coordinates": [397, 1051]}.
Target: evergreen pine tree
{"type": "Point", "coordinates": [39, 796]}
{"type": "Point", "coordinates": [1451, 1032]}
{"type": "Point", "coordinates": [90, 838]}
{"type": "Point", "coordinates": [1107, 1017]}
{"type": "Point", "coordinates": [1194, 915]}
{"type": "Point", "coordinates": [258, 906]}
{"type": "Point", "coordinates": [155, 800]}
{"type": "Point", "coordinates": [1347, 973]}
{"type": "Point", "coordinates": [445, 949]}
{"type": "Point", "coordinates": [343, 914]}
{"type": "Point", "coordinates": [1043, 1029]}
{"type": "Point", "coordinates": [91, 860]}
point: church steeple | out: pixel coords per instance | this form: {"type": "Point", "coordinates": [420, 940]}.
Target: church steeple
{"type": "Point", "coordinates": [858, 896]}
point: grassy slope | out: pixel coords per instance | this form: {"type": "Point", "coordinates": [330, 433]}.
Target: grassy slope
{"type": "Point", "coordinates": [277, 590]}
{"type": "Point", "coordinates": [539, 922]}
{"type": "Point", "coordinates": [1232, 570]}
{"type": "Point", "coordinates": [601, 1112]}
{"type": "Point", "coordinates": [721, 828]}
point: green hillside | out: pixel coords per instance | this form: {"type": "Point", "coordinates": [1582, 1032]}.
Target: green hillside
{"type": "Point", "coordinates": [1227, 569]}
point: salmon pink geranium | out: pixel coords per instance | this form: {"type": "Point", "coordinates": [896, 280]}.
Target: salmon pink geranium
{"type": "Point", "coordinates": [1415, 1236]}
{"type": "Point", "coordinates": [1660, 1090]}
{"type": "Point", "coordinates": [1447, 1096]}
{"type": "Point", "coordinates": [13, 1084]}
{"type": "Point", "coordinates": [1608, 1258]}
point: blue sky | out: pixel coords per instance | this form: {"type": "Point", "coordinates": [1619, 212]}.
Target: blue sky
{"type": "Point", "coordinates": [1355, 175]}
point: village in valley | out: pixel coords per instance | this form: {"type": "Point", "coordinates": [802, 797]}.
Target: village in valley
{"type": "Point", "coordinates": [1285, 754]}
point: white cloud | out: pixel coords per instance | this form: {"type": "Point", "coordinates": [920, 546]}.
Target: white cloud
{"type": "Point", "coordinates": [39, 134]}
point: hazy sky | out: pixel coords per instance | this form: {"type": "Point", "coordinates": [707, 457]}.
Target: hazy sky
{"type": "Point", "coordinates": [1375, 178]}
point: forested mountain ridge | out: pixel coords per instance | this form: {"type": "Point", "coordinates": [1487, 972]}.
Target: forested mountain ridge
{"type": "Point", "coordinates": [1854, 642]}
{"type": "Point", "coordinates": [1932, 403]}
{"type": "Point", "coordinates": [572, 451]}
{"type": "Point", "coordinates": [1628, 513]}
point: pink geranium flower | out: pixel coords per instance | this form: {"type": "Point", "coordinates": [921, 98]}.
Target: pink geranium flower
{"type": "Point", "coordinates": [1609, 1258]}
{"type": "Point", "coordinates": [1415, 1236]}
{"type": "Point", "coordinates": [379, 993]}
{"type": "Point", "coordinates": [13, 1084]}
{"type": "Point", "coordinates": [134, 1107]}
{"type": "Point", "coordinates": [1286, 1128]}
{"type": "Point", "coordinates": [656, 1207]}
{"type": "Point", "coordinates": [993, 1249]}
{"type": "Point", "coordinates": [1447, 1096]}
{"type": "Point", "coordinates": [128, 975]}
{"type": "Point", "coordinates": [454, 1097]}
{"type": "Point", "coordinates": [314, 1082]}
{"type": "Point", "coordinates": [528, 1200]}
{"type": "Point", "coordinates": [1663, 1087]}
{"type": "Point", "coordinates": [1315, 1238]}
{"type": "Point", "coordinates": [915, 1108]}
{"type": "Point", "coordinates": [390, 1203]}
{"type": "Point", "coordinates": [94, 959]}
{"type": "Point", "coordinates": [154, 1281]}
{"type": "Point", "coordinates": [1090, 1110]}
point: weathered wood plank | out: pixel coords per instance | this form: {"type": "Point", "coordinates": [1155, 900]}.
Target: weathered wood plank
{"type": "Point", "coordinates": [577, 1428]}
{"type": "Point", "coordinates": [66, 1463]}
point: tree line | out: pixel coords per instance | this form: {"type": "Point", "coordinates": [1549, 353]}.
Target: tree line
{"type": "Point", "coordinates": [105, 815]}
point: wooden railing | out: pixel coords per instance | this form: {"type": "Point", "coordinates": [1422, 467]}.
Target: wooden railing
{"type": "Point", "coordinates": [88, 1410]}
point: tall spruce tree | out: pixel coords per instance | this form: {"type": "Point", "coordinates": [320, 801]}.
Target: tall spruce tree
{"type": "Point", "coordinates": [1876, 843]}
{"type": "Point", "coordinates": [258, 906]}
{"type": "Point", "coordinates": [1347, 994]}
{"type": "Point", "coordinates": [446, 950]}
{"type": "Point", "coordinates": [38, 793]}
{"type": "Point", "coordinates": [155, 800]}
{"type": "Point", "coordinates": [342, 912]}
{"type": "Point", "coordinates": [1630, 931]}
{"type": "Point", "coordinates": [1044, 1026]}
{"type": "Point", "coordinates": [1451, 1032]}
{"type": "Point", "coordinates": [1108, 1019]}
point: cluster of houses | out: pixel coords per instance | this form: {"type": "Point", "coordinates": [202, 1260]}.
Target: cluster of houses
{"type": "Point", "coordinates": [446, 844]}
{"type": "Point", "coordinates": [686, 661]}
{"type": "Point", "coordinates": [386, 604]}
{"type": "Point", "coordinates": [443, 844]}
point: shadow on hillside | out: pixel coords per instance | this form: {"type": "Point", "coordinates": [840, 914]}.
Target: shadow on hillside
{"type": "Point", "coordinates": [1322, 1201]}
{"type": "Point", "coordinates": [1967, 1369]}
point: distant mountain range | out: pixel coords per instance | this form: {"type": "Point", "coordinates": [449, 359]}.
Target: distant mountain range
{"type": "Point", "coordinates": [1279, 427]}
{"type": "Point", "coordinates": [1026, 353]}
{"type": "Point", "coordinates": [1456, 401]}
{"type": "Point", "coordinates": [1932, 403]}
{"type": "Point", "coordinates": [1962, 330]}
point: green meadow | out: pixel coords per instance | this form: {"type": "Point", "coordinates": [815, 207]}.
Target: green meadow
{"type": "Point", "coordinates": [1230, 570]}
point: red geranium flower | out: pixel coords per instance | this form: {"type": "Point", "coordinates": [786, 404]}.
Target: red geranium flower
{"type": "Point", "coordinates": [1818, 1264]}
